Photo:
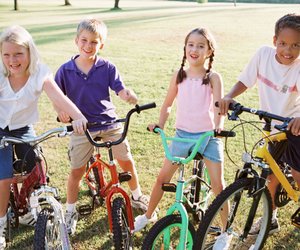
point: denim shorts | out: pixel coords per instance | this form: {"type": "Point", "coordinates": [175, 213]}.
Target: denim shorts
{"type": "Point", "coordinates": [211, 147]}
{"type": "Point", "coordinates": [8, 153]}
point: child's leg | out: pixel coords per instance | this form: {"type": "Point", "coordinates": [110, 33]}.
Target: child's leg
{"type": "Point", "coordinates": [215, 171]}
{"type": "Point", "coordinates": [4, 197]}
{"type": "Point", "coordinates": [296, 176]}
{"type": "Point", "coordinates": [165, 175]}
{"type": "Point", "coordinates": [128, 166]}
{"type": "Point", "coordinates": [73, 184]}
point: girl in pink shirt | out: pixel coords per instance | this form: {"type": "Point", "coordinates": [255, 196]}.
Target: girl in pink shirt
{"type": "Point", "coordinates": [196, 89]}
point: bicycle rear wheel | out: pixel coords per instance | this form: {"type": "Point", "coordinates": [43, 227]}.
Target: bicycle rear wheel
{"type": "Point", "coordinates": [49, 233]}
{"type": "Point", "coordinates": [94, 179]}
{"type": "Point", "coordinates": [121, 232]}
{"type": "Point", "coordinates": [239, 206]}
{"type": "Point", "coordinates": [171, 225]}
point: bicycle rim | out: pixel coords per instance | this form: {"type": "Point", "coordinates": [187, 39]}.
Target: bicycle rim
{"type": "Point", "coordinates": [169, 226]}
{"type": "Point", "coordinates": [239, 206]}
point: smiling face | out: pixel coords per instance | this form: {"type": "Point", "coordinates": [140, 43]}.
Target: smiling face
{"type": "Point", "coordinates": [287, 45]}
{"type": "Point", "coordinates": [197, 49]}
{"type": "Point", "coordinates": [15, 58]}
{"type": "Point", "coordinates": [88, 44]}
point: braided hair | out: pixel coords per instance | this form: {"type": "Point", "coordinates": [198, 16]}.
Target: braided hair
{"type": "Point", "coordinates": [211, 44]}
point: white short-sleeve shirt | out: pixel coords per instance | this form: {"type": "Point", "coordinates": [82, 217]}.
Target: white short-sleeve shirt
{"type": "Point", "coordinates": [19, 109]}
{"type": "Point", "coordinates": [278, 84]}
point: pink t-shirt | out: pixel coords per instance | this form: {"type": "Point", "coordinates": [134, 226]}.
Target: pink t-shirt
{"type": "Point", "coordinates": [194, 106]}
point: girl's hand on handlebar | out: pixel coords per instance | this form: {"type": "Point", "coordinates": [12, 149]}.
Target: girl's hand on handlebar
{"type": "Point", "coordinates": [152, 126]}
{"type": "Point", "coordinates": [294, 126]}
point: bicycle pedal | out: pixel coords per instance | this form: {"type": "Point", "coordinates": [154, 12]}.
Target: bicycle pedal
{"type": "Point", "coordinates": [125, 176]}
{"type": "Point", "coordinates": [85, 210]}
{"type": "Point", "coordinates": [169, 187]}
{"type": "Point", "coordinates": [296, 218]}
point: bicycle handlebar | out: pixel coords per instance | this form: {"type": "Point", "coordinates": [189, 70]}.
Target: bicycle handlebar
{"type": "Point", "coordinates": [237, 109]}
{"type": "Point", "coordinates": [61, 131]}
{"type": "Point", "coordinates": [126, 121]}
{"type": "Point", "coordinates": [196, 141]}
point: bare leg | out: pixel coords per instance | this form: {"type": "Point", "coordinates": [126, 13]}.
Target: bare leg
{"type": "Point", "coordinates": [74, 184]}
{"type": "Point", "coordinates": [129, 166]}
{"type": "Point", "coordinates": [215, 170]}
{"type": "Point", "coordinates": [4, 197]}
{"type": "Point", "coordinates": [165, 175]}
{"type": "Point", "coordinates": [272, 186]}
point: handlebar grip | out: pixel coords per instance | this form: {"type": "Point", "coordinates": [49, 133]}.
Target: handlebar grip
{"type": "Point", "coordinates": [145, 106]}
{"type": "Point", "coordinates": [225, 133]}
{"type": "Point", "coordinates": [69, 128]}
{"type": "Point", "coordinates": [231, 105]}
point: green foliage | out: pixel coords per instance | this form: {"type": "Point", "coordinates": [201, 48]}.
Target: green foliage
{"type": "Point", "coordinates": [145, 41]}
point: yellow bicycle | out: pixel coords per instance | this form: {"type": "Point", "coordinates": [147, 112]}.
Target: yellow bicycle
{"type": "Point", "coordinates": [248, 195]}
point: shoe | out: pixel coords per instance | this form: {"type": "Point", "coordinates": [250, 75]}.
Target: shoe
{"type": "Point", "coordinates": [27, 219]}
{"type": "Point", "coordinates": [2, 235]}
{"type": "Point", "coordinates": [223, 241]}
{"type": "Point", "coordinates": [274, 227]}
{"type": "Point", "coordinates": [71, 219]}
{"type": "Point", "coordinates": [142, 202]}
{"type": "Point", "coordinates": [141, 221]}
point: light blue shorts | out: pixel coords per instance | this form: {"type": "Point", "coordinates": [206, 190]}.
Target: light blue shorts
{"type": "Point", "coordinates": [211, 147]}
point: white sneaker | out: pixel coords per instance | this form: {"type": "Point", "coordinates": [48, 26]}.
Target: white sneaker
{"type": "Point", "coordinates": [274, 227]}
{"type": "Point", "coordinates": [142, 202]}
{"type": "Point", "coordinates": [27, 219]}
{"type": "Point", "coordinates": [71, 219]}
{"type": "Point", "coordinates": [223, 242]}
{"type": "Point", "coordinates": [141, 221]}
{"type": "Point", "coordinates": [2, 235]}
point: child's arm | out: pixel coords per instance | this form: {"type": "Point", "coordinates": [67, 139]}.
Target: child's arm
{"type": "Point", "coordinates": [236, 90]}
{"type": "Point", "coordinates": [218, 93]}
{"type": "Point", "coordinates": [128, 96]}
{"type": "Point", "coordinates": [63, 103]}
{"type": "Point", "coordinates": [167, 104]}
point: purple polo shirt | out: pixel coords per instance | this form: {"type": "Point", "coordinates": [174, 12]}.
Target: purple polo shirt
{"type": "Point", "coordinates": [90, 92]}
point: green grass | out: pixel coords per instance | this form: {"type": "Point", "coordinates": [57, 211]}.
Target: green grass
{"type": "Point", "coordinates": [145, 41]}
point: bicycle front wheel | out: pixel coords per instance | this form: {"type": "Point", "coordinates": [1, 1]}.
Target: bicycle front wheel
{"type": "Point", "coordinates": [121, 231]}
{"type": "Point", "coordinates": [170, 225]}
{"type": "Point", "coordinates": [240, 202]}
{"type": "Point", "coordinates": [49, 233]}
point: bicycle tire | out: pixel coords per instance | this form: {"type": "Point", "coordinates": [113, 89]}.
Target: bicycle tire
{"type": "Point", "coordinates": [205, 236]}
{"type": "Point", "coordinates": [95, 179]}
{"type": "Point", "coordinates": [122, 236]}
{"type": "Point", "coordinates": [154, 238]}
{"type": "Point", "coordinates": [49, 233]}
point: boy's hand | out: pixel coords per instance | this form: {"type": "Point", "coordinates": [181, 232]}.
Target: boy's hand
{"type": "Point", "coordinates": [64, 117]}
{"type": "Point", "coordinates": [224, 104]}
{"type": "Point", "coordinates": [128, 96]}
{"type": "Point", "coordinates": [79, 125]}
{"type": "Point", "coordinates": [294, 126]}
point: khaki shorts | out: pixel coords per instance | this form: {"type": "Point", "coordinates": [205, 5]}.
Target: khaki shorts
{"type": "Point", "coordinates": [80, 149]}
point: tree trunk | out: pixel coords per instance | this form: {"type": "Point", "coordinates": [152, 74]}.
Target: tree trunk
{"type": "Point", "coordinates": [116, 4]}
{"type": "Point", "coordinates": [67, 2]}
{"type": "Point", "coordinates": [16, 5]}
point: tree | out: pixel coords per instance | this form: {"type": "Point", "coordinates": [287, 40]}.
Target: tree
{"type": "Point", "coordinates": [67, 2]}
{"type": "Point", "coordinates": [116, 4]}
{"type": "Point", "coordinates": [16, 5]}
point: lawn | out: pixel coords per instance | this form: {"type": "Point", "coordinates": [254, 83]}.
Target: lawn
{"type": "Point", "coordinates": [145, 41]}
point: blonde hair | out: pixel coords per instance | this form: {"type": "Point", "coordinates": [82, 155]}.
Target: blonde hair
{"type": "Point", "coordinates": [94, 26]}
{"type": "Point", "coordinates": [18, 35]}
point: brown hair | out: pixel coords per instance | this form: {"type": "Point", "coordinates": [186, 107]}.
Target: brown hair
{"type": "Point", "coordinates": [211, 44]}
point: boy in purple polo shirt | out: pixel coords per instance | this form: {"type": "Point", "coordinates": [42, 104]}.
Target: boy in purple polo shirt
{"type": "Point", "coordinates": [86, 79]}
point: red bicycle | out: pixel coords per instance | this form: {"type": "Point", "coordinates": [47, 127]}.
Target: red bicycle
{"type": "Point", "coordinates": [30, 192]}
{"type": "Point", "coordinates": [104, 182]}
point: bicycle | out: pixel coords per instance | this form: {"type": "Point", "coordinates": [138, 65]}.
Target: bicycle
{"type": "Point", "coordinates": [30, 192]}
{"type": "Point", "coordinates": [248, 195]}
{"type": "Point", "coordinates": [104, 182]}
{"type": "Point", "coordinates": [192, 196]}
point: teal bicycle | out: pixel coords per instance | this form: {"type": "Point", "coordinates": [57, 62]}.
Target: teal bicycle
{"type": "Point", "coordinates": [175, 230]}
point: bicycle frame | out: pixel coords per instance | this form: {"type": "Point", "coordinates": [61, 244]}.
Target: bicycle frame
{"type": "Point", "coordinates": [108, 189]}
